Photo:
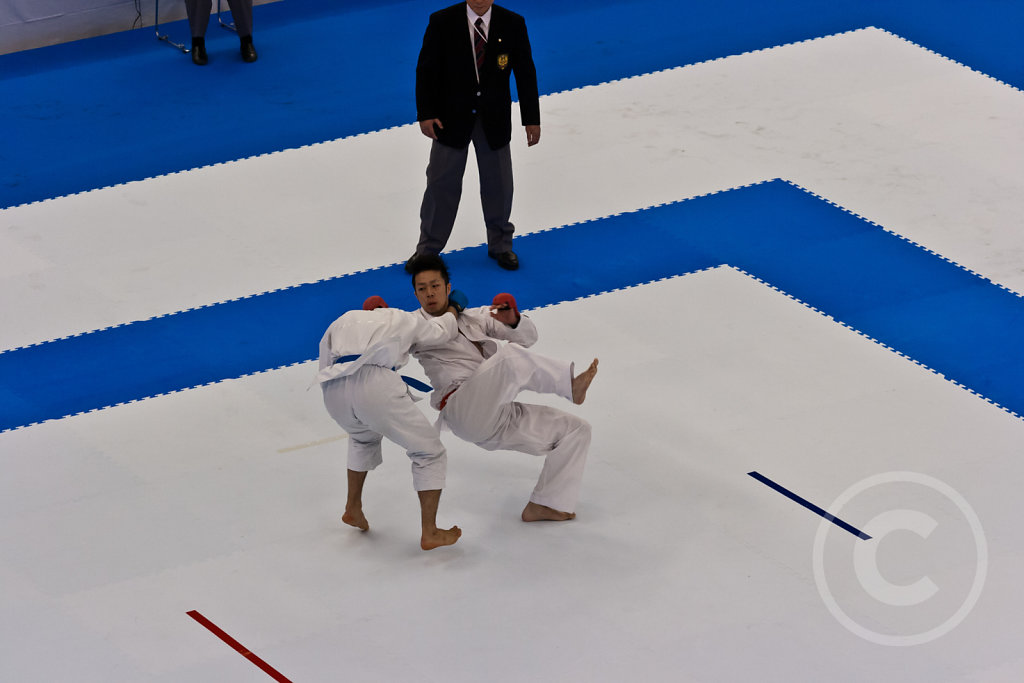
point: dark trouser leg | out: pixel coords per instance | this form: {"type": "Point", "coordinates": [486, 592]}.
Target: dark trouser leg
{"type": "Point", "coordinates": [441, 199]}
{"type": "Point", "coordinates": [495, 166]}
{"type": "Point", "coordinates": [198, 16]}
{"type": "Point", "coordinates": [241, 14]}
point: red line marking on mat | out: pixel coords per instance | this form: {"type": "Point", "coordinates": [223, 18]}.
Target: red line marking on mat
{"type": "Point", "coordinates": [238, 647]}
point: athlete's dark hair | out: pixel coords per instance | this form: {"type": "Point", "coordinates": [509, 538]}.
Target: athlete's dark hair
{"type": "Point", "coordinates": [427, 262]}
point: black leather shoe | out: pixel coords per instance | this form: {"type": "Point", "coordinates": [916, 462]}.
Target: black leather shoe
{"type": "Point", "coordinates": [198, 54]}
{"type": "Point", "coordinates": [506, 259]}
{"type": "Point", "coordinates": [248, 52]}
{"type": "Point", "coordinates": [410, 263]}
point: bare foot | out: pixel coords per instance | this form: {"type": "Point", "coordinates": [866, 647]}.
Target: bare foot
{"type": "Point", "coordinates": [440, 537]}
{"type": "Point", "coordinates": [581, 382]}
{"type": "Point", "coordinates": [534, 512]}
{"type": "Point", "coordinates": [355, 517]}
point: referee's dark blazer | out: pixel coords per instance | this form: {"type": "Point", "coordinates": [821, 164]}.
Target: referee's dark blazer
{"type": "Point", "coordinates": [446, 86]}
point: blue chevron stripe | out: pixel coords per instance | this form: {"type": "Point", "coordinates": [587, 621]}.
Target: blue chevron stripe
{"type": "Point", "coordinates": [915, 302]}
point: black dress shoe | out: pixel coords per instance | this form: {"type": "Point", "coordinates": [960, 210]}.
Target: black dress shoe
{"type": "Point", "coordinates": [248, 52]}
{"type": "Point", "coordinates": [506, 259]}
{"type": "Point", "coordinates": [198, 54]}
{"type": "Point", "coordinates": [411, 263]}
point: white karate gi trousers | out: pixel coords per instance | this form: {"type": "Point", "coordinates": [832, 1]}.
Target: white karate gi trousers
{"type": "Point", "coordinates": [373, 403]}
{"type": "Point", "coordinates": [483, 412]}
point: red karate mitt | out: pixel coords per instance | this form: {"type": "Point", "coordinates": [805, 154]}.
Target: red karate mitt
{"type": "Point", "coordinates": [374, 302]}
{"type": "Point", "coordinates": [505, 300]}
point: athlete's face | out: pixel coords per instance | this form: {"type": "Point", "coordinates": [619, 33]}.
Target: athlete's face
{"type": "Point", "coordinates": [432, 291]}
{"type": "Point", "coordinates": [480, 6]}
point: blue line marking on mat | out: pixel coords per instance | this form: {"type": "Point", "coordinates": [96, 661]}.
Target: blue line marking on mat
{"type": "Point", "coordinates": [895, 292]}
{"type": "Point", "coordinates": [809, 505]}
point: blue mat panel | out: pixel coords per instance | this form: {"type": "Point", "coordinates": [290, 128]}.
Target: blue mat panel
{"type": "Point", "coordinates": [122, 107]}
{"type": "Point", "coordinates": [933, 311]}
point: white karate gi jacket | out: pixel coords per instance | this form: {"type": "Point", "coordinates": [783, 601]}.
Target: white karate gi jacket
{"type": "Point", "coordinates": [450, 365]}
{"type": "Point", "coordinates": [381, 337]}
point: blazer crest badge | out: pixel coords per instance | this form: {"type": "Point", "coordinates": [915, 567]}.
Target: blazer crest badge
{"type": "Point", "coordinates": [502, 61]}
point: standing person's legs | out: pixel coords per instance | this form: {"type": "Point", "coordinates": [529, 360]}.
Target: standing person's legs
{"type": "Point", "coordinates": [198, 12]}
{"type": "Point", "coordinates": [496, 187]}
{"type": "Point", "coordinates": [440, 205]}
{"type": "Point", "coordinates": [241, 15]}
{"type": "Point", "coordinates": [198, 18]}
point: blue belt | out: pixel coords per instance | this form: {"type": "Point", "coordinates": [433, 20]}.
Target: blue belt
{"type": "Point", "coordinates": [411, 381]}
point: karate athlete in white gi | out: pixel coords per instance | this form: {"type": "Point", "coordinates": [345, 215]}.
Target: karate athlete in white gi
{"type": "Point", "coordinates": [359, 354]}
{"type": "Point", "coordinates": [476, 378]}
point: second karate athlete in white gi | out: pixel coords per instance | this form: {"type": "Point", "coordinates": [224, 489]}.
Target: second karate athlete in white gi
{"type": "Point", "coordinates": [359, 354]}
{"type": "Point", "coordinates": [476, 378]}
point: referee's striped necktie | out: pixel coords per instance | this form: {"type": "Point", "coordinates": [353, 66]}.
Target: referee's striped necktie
{"type": "Point", "coordinates": [479, 43]}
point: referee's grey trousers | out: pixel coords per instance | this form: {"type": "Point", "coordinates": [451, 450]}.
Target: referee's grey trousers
{"type": "Point", "coordinates": [445, 171]}
{"type": "Point", "coordinates": [199, 16]}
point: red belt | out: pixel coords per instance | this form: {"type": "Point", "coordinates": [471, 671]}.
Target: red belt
{"type": "Point", "coordinates": [444, 399]}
